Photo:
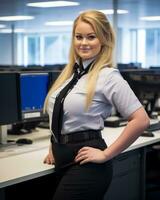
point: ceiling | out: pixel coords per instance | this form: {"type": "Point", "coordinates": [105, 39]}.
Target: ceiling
{"type": "Point", "coordinates": [136, 9]}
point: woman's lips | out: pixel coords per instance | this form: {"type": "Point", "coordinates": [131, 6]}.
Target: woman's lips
{"type": "Point", "coordinates": [85, 48]}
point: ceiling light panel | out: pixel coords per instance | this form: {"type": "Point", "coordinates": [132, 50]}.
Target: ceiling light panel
{"type": "Point", "coordinates": [16, 18]}
{"type": "Point", "coordinates": [53, 4]}
{"type": "Point", "coordinates": [18, 30]}
{"type": "Point", "coordinates": [111, 11]}
{"type": "Point", "coordinates": [150, 18]}
{"type": "Point", "coordinates": [59, 23]}
{"type": "Point", "coordinates": [2, 26]}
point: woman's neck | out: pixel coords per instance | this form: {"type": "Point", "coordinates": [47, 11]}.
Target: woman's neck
{"type": "Point", "coordinates": [87, 62]}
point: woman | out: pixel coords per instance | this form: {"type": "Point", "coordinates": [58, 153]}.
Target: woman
{"type": "Point", "coordinates": [87, 102]}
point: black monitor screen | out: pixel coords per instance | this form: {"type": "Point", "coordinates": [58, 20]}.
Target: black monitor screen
{"type": "Point", "coordinates": [33, 90]}
{"type": "Point", "coordinates": [9, 107]}
{"type": "Point", "coordinates": [146, 86]}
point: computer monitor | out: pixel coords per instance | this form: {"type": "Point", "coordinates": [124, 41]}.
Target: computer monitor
{"type": "Point", "coordinates": [9, 102]}
{"type": "Point", "coordinates": [33, 90]}
{"type": "Point", "coordinates": [23, 96]}
{"type": "Point", "coordinates": [154, 67]}
{"type": "Point", "coordinates": [9, 110]}
{"type": "Point", "coordinates": [131, 65]}
{"type": "Point", "coordinates": [146, 85]}
{"type": "Point", "coordinates": [53, 75]}
{"type": "Point", "coordinates": [54, 67]}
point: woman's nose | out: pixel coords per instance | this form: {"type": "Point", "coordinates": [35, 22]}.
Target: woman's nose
{"type": "Point", "coordinates": [84, 41]}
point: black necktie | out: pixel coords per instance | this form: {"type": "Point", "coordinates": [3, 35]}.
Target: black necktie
{"type": "Point", "coordinates": [57, 116]}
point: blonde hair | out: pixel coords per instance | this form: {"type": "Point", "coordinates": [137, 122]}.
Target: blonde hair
{"type": "Point", "coordinates": [105, 34]}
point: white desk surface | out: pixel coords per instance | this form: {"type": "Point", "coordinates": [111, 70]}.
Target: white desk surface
{"type": "Point", "coordinates": [28, 163]}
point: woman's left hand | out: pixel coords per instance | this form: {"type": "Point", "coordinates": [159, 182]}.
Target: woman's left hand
{"type": "Point", "coordinates": [90, 154]}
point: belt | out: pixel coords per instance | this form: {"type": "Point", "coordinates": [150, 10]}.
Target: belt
{"type": "Point", "coordinates": [80, 136]}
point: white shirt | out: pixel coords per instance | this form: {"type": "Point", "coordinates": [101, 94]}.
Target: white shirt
{"type": "Point", "coordinates": [111, 91]}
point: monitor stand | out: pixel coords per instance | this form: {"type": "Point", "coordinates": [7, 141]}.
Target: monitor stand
{"type": "Point", "coordinates": [3, 134]}
{"type": "Point", "coordinates": [21, 128]}
{"type": "Point", "coordinates": [4, 142]}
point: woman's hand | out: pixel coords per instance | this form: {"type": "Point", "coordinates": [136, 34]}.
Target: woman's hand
{"type": "Point", "coordinates": [49, 159]}
{"type": "Point", "coordinates": [90, 154]}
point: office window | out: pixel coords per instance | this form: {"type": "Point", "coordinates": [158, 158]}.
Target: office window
{"type": "Point", "coordinates": [33, 50]}
{"type": "Point", "coordinates": [56, 48]}
{"type": "Point", "coordinates": [153, 47]}
{"type": "Point", "coordinates": [141, 47]}
{"type": "Point", "coordinates": [50, 44]}
{"type": "Point", "coordinates": [145, 47]}
{"type": "Point", "coordinates": [138, 39]}
{"type": "Point", "coordinates": [66, 40]}
{"type": "Point", "coordinates": [45, 49]}
{"type": "Point", "coordinates": [133, 49]}
{"type": "Point", "coordinates": [123, 45]}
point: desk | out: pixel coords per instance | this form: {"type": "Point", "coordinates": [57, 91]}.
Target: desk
{"type": "Point", "coordinates": [129, 175]}
{"type": "Point", "coordinates": [29, 165]}
{"type": "Point", "coordinates": [25, 162]}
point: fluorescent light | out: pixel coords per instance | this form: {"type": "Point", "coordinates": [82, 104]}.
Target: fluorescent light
{"type": "Point", "coordinates": [18, 30]}
{"type": "Point", "coordinates": [2, 26]}
{"type": "Point", "coordinates": [150, 18]}
{"type": "Point", "coordinates": [59, 23]}
{"type": "Point", "coordinates": [6, 31]}
{"type": "Point", "coordinates": [53, 4]}
{"type": "Point", "coordinates": [16, 18]}
{"type": "Point", "coordinates": [108, 11]}
{"type": "Point", "coordinates": [111, 11]}
{"type": "Point", "coordinates": [122, 11]}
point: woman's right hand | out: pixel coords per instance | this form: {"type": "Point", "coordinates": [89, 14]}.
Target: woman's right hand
{"type": "Point", "coordinates": [49, 159]}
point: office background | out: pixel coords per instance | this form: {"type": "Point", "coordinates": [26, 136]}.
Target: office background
{"type": "Point", "coordinates": [43, 39]}
{"type": "Point", "coordinates": [37, 41]}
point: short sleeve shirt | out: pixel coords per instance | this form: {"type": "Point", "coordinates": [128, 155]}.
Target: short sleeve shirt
{"type": "Point", "coordinates": [111, 91]}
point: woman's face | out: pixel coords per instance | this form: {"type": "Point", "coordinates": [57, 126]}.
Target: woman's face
{"type": "Point", "coordinates": [86, 43]}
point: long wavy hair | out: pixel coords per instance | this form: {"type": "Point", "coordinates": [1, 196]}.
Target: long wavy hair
{"type": "Point", "coordinates": [105, 34]}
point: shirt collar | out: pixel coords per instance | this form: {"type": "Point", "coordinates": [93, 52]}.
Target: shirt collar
{"type": "Point", "coordinates": [86, 62]}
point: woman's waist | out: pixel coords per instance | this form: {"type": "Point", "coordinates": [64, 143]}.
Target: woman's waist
{"type": "Point", "coordinates": [80, 136]}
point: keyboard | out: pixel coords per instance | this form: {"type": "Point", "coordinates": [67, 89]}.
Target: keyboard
{"type": "Point", "coordinates": [154, 127]}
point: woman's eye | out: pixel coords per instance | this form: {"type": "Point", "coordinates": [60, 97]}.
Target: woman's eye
{"type": "Point", "coordinates": [78, 37]}
{"type": "Point", "coordinates": [91, 37]}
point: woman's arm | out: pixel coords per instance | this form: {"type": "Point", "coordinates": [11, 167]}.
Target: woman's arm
{"type": "Point", "coordinates": [137, 123]}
